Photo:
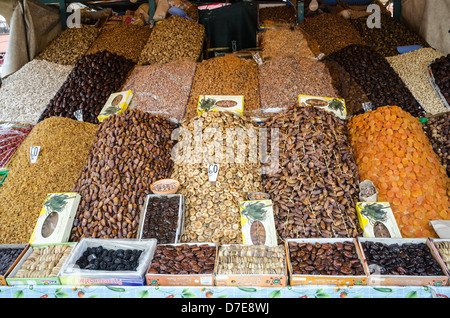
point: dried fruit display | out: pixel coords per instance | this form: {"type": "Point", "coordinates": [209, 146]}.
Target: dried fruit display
{"type": "Point", "coordinates": [437, 129]}
{"type": "Point", "coordinates": [105, 259]}
{"type": "Point", "coordinates": [161, 219]}
{"type": "Point", "coordinates": [282, 42]}
{"type": "Point", "coordinates": [381, 84]}
{"type": "Point", "coordinates": [126, 40]}
{"type": "Point", "coordinates": [339, 258]}
{"type": "Point", "coordinates": [87, 88]}
{"type": "Point", "coordinates": [44, 261]}
{"type": "Point", "coordinates": [441, 72]}
{"type": "Point", "coordinates": [284, 14]}
{"type": "Point", "coordinates": [225, 75]}
{"type": "Point", "coordinates": [161, 88]}
{"type": "Point", "coordinates": [174, 39]}
{"type": "Point", "coordinates": [212, 211]}
{"type": "Point", "coordinates": [8, 255]}
{"type": "Point", "coordinates": [282, 80]}
{"type": "Point", "coordinates": [392, 150]}
{"type": "Point", "coordinates": [391, 35]}
{"type": "Point", "coordinates": [70, 45]}
{"type": "Point", "coordinates": [183, 259]}
{"type": "Point", "coordinates": [315, 187]}
{"type": "Point", "coordinates": [251, 259]}
{"type": "Point", "coordinates": [65, 144]}
{"type": "Point", "coordinates": [131, 151]}
{"type": "Point", "coordinates": [339, 34]}
{"type": "Point", "coordinates": [11, 137]}
{"type": "Point", "coordinates": [412, 69]}
{"type": "Point", "coordinates": [414, 259]}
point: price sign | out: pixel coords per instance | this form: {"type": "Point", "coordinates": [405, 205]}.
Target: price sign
{"type": "Point", "coordinates": [213, 172]}
{"type": "Point", "coordinates": [78, 115]}
{"type": "Point", "coordinates": [258, 59]}
{"type": "Point", "coordinates": [34, 153]}
{"type": "Point", "coordinates": [367, 106]}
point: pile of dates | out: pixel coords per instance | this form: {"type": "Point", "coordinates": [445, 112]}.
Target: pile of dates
{"type": "Point", "coordinates": [405, 259]}
{"type": "Point", "coordinates": [183, 259]}
{"type": "Point", "coordinates": [314, 184]}
{"type": "Point", "coordinates": [339, 258]}
{"type": "Point", "coordinates": [131, 151]}
{"type": "Point", "coordinates": [161, 219]}
{"type": "Point", "coordinates": [7, 257]}
{"type": "Point", "coordinates": [87, 88]}
{"type": "Point", "coordinates": [100, 258]}
{"type": "Point", "coordinates": [379, 81]}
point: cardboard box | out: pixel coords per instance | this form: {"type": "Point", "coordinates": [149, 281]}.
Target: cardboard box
{"type": "Point", "coordinates": [180, 225]}
{"type": "Point", "coordinates": [404, 280]}
{"type": "Point", "coordinates": [377, 220]}
{"type": "Point", "coordinates": [439, 256]}
{"type": "Point", "coordinates": [13, 281]}
{"type": "Point", "coordinates": [257, 223]}
{"type": "Point", "coordinates": [71, 274]}
{"type": "Point", "coordinates": [331, 104]}
{"type": "Point", "coordinates": [116, 104]}
{"type": "Point", "coordinates": [56, 219]}
{"type": "Point", "coordinates": [182, 279]}
{"type": "Point", "coordinates": [348, 280]}
{"type": "Point", "coordinates": [3, 277]}
{"type": "Point", "coordinates": [257, 280]}
{"type": "Point", "coordinates": [216, 103]}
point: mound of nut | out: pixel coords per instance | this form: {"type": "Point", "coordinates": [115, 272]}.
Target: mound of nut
{"type": "Point", "coordinates": [282, 42]}
{"type": "Point", "coordinates": [173, 39]}
{"type": "Point", "coordinates": [251, 259]}
{"type": "Point", "coordinates": [44, 261]}
{"type": "Point", "coordinates": [438, 131]}
{"type": "Point", "coordinates": [314, 188]}
{"type": "Point", "coordinates": [131, 151]}
{"type": "Point", "coordinates": [183, 259]}
{"type": "Point", "coordinates": [70, 45]}
{"type": "Point", "coordinates": [212, 210]}
{"type": "Point", "coordinates": [379, 81]}
{"type": "Point", "coordinates": [87, 88]}
{"type": "Point", "coordinates": [339, 258]}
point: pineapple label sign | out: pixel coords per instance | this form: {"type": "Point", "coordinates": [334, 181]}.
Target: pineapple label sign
{"type": "Point", "coordinates": [377, 220]}
{"type": "Point", "coordinates": [257, 223]}
{"type": "Point", "coordinates": [115, 104]}
{"type": "Point", "coordinates": [331, 104]}
{"type": "Point", "coordinates": [217, 103]}
{"type": "Point", "coordinates": [56, 218]}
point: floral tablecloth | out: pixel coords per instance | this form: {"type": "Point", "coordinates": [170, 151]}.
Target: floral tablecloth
{"type": "Point", "coordinates": [67, 291]}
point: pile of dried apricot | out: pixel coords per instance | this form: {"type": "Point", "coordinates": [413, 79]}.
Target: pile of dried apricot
{"type": "Point", "coordinates": [392, 150]}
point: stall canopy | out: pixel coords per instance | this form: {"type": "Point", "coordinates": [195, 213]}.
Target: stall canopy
{"type": "Point", "coordinates": [32, 26]}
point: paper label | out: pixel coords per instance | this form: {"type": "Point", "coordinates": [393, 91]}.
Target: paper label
{"type": "Point", "coordinates": [216, 103]}
{"type": "Point", "coordinates": [367, 106]}
{"type": "Point", "coordinates": [213, 172]}
{"type": "Point", "coordinates": [78, 114]}
{"type": "Point", "coordinates": [331, 104]}
{"type": "Point", "coordinates": [258, 59]}
{"type": "Point", "coordinates": [34, 153]}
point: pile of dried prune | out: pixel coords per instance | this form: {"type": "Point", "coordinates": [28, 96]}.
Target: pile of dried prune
{"type": "Point", "coordinates": [99, 258]}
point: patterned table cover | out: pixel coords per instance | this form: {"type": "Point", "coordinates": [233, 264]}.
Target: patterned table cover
{"type": "Point", "coordinates": [92, 291]}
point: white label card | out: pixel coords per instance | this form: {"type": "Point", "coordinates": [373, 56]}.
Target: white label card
{"type": "Point", "coordinates": [78, 114]}
{"type": "Point", "coordinates": [34, 153]}
{"type": "Point", "coordinates": [213, 172]}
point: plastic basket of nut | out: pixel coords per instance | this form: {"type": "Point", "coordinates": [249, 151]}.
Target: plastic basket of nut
{"type": "Point", "coordinates": [165, 186]}
{"type": "Point", "coordinates": [40, 265]}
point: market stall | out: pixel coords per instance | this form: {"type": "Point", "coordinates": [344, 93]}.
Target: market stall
{"type": "Point", "coordinates": [136, 164]}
